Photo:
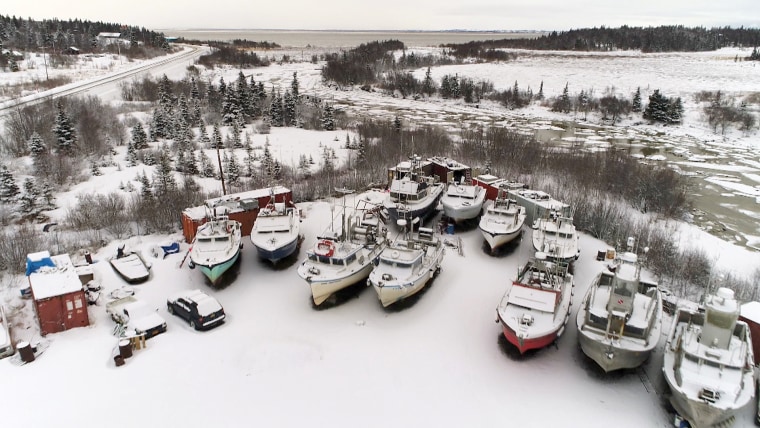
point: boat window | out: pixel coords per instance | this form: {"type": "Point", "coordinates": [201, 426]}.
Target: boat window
{"type": "Point", "coordinates": [350, 258]}
{"type": "Point", "coordinates": [312, 257]}
{"type": "Point", "coordinates": [323, 259]}
{"type": "Point", "coordinates": [337, 262]}
{"type": "Point", "coordinates": [719, 319]}
{"type": "Point", "coordinates": [622, 290]}
{"type": "Point", "coordinates": [206, 240]}
{"type": "Point", "coordinates": [386, 262]}
{"type": "Point", "coordinates": [549, 232]}
{"type": "Point", "coordinates": [222, 239]}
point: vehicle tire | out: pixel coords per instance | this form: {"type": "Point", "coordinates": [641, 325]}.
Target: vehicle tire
{"type": "Point", "coordinates": [170, 309]}
{"type": "Point", "coordinates": [192, 325]}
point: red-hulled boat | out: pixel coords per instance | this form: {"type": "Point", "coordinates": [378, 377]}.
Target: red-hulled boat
{"type": "Point", "coordinates": [536, 306]}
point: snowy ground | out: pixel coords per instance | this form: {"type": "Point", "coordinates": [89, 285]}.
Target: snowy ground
{"type": "Point", "coordinates": [278, 362]}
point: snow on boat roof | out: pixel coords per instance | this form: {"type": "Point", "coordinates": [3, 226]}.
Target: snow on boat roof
{"type": "Point", "coordinates": [751, 311]}
{"type": "Point", "coordinates": [48, 281]}
{"type": "Point", "coordinates": [533, 298]}
{"type": "Point", "coordinates": [235, 202]}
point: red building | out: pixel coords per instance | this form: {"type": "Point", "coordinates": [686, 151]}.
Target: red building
{"type": "Point", "coordinates": [243, 207]}
{"type": "Point", "coordinates": [750, 313]}
{"type": "Point", "coordinates": [59, 299]}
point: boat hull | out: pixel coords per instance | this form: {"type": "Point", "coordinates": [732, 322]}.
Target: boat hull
{"type": "Point", "coordinates": [698, 413]}
{"type": "Point", "coordinates": [215, 272]}
{"type": "Point", "coordinates": [460, 212]}
{"type": "Point", "coordinates": [526, 344]}
{"type": "Point", "coordinates": [496, 240]}
{"type": "Point", "coordinates": [322, 289]}
{"type": "Point", "coordinates": [608, 356]}
{"type": "Point", "coordinates": [276, 253]}
{"type": "Point", "coordinates": [422, 209]}
{"type": "Point", "coordinates": [132, 268]}
{"type": "Point", "coordinates": [393, 293]}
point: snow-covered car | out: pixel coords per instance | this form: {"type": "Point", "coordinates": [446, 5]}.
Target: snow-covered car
{"type": "Point", "coordinates": [136, 315]}
{"type": "Point", "coordinates": [6, 346]}
{"type": "Point", "coordinates": [199, 309]}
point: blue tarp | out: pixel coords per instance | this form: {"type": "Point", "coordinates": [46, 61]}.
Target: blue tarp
{"type": "Point", "coordinates": [34, 265]}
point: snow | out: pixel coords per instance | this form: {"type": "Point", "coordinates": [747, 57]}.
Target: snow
{"type": "Point", "coordinates": [439, 361]}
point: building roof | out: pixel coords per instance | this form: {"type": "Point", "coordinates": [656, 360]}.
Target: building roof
{"type": "Point", "coordinates": [109, 35]}
{"type": "Point", "coordinates": [751, 312]}
{"type": "Point", "coordinates": [235, 202]}
{"type": "Point", "coordinates": [56, 280]}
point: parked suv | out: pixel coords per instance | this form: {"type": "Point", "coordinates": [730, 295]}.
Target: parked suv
{"type": "Point", "coordinates": [197, 308]}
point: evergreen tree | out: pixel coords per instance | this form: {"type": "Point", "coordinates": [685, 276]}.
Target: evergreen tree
{"type": "Point", "coordinates": [540, 94]}
{"type": "Point", "coordinates": [658, 108]}
{"type": "Point", "coordinates": [165, 97]}
{"type": "Point", "coordinates": [445, 87]}
{"type": "Point", "coordinates": [276, 117]}
{"type": "Point", "coordinates": [328, 121]}
{"type": "Point", "coordinates": [36, 146]}
{"type": "Point", "coordinates": [207, 167]}
{"type": "Point", "coordinates": [131, 154]}
{"type": "Point", "coordinates": [163, 177]}
{"type": "Point", "coordinates": [139, 137]}
{"type": "Point", "coordinates": [267, 163]}
{"type": "Point", "coordinates": [397, 124]}
{"type": "Point", "coordinates": [194, 91]}
{"type": "Point", "coordinates": [428, 86]}
{"type": "Point", "coordinates": [636, 105]}
{"type": "Point", "coordinates": [160, 123]}
{"type": "Point", "coordinates": [289, 109]}
{"type": "Point", "coordinates": [95, 169]}
{"type": "Point", "coordinates": [235, 141]}
{"type": "Point", "coordinates": [294, 85]}
{"type": "Point", "coordinates": [250, 158]}
{"type": "Point", "coordinates": [146, 193]}
{"type": "Point", "coordinates": [675, 110]}
{"type": "Point", "coordinates": [232, 172]}
{"type": "Point", "coordinates": [563, 103]}
{"type": "Point", "coordinates": [8, 187]}
{"type": "Point", "coordinates": [29, 197]}
{"type": "Point", "coordinates": [64, 131]}
{"type": "Point", "coordinates": [47, 195]}
{"type": "Point", "coordinates": [361, 155]}
{"type": "Point", "coordinates": [216, 138]}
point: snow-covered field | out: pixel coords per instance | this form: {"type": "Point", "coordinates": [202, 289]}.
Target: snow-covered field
{"type": "Point", "coordinates": [276, 361]}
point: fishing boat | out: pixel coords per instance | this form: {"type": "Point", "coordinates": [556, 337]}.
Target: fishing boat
{"type": "Point", "coordinates": [407, 266]}
{"type": "Point", "coordinates": [411, 193]}
{"type": "Point", "coordinates": [536, 306]}
{"type": "Point", "coordinates": [276, 232]}
{"type": "Point", "coordinates": [344, 257]}
{"type": "Point", "coordinates": [216, 246]}
{"type": "Point", "coordinates": [463, 201]}
{"type": "Point", "coordinates": [130, 266]}
{"type": "Point", "coordinates": [620, 319]}
{"type": "Point", "coordinates": [502, 221]}
{"type": "Point", "coordinates": [555, 235]}
{"type": "Point", "coordinates": [708, 362]}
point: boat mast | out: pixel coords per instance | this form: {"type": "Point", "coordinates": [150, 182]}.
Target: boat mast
{"type": "Point", "coordinates": [221, 170]}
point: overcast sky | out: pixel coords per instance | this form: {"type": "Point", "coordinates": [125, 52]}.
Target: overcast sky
{"type": "Point", "coordinates": [395, 14]}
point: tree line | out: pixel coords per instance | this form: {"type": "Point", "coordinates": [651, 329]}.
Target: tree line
{"type": "Point", "coordinates": [666, 38]}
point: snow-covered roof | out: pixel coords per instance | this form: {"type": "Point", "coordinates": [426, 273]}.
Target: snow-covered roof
{"type": "Point", "coordinates": [235, 202]}
{"type": "Point", "coordinates": [57, 280]}
{"type": "Point", "coordinates": [109, 35]}
{"type": "Point", "coordinates": [751, 311]}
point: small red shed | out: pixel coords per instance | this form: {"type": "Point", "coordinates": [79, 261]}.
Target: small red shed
{"type": "Point", "coordinates": [750, 313]}
{"type": "Point", "coordinates": [243, 207]}
{"type": "Point", "coordinates": [59, 300]}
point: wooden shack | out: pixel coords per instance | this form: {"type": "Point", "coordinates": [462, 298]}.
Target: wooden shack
{"type": "Point", "coordinates": [448, 170]}
{"type": "Point", "coordinates": [243, 207]}
{"type": "Point", "coordinates": [59, 299]}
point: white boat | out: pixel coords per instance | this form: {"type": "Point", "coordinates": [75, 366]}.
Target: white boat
{"type": "Point", "coordinates": [620, 319]}
{"type": "Point", "coordinates": [536, 306]}
{"type": "Point", "coordinates": [343, 258]}
{"type": "Point", "coordinates": [411, 193]}
{"type": "Point", "coordinates": [463, 201]}
{"type": "Point", "coordinates": [406, 266]}
{"type": "Point", "coordinates": [708, 362]}
{"type": "Point", "coordinates": [276, 231]}
{"type": "Point", "coordinates": [555, 235]}
{"type": "Point", "coordinates": [216, 246]}
{"type": "Point", "coordinates": [502, 221]}
{"type": "Point", "coordinates": [130, 266]}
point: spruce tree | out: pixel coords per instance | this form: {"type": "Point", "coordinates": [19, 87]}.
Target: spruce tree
{"type": "Point", "coordinates": [216, 138]}
{"type": "Point", "coordinates": [294, 85]}
{"type": "Point", "coordinates": [29, 197]}
{"type": "Point", "coordinates": [658, 107]}
{"type": "Point", "coordinates": [8, 187]}
{"type": "Point", "coordinates": [207, 167]}
{"type": "Point", "coordinates": [428, 86]}
{"type": "Point", "coordinates": [636, 104]}
{"type": "Point", "coordinates": [163, 177]}
{"type": "Point", "coordinates": [131, 154]}
{"type": "Point", "coordinates": [146, 193]}
{"type": "Point", "coordinates": [139, 137]}
{"type": "Point", "coordinates": [36, 146]}
{"type": "Point", "coordinates": [328, 120]}
{"type": "Point", "coordinates": [64, 131]}
{"type": "Point", "coordinates": [540, 94]}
